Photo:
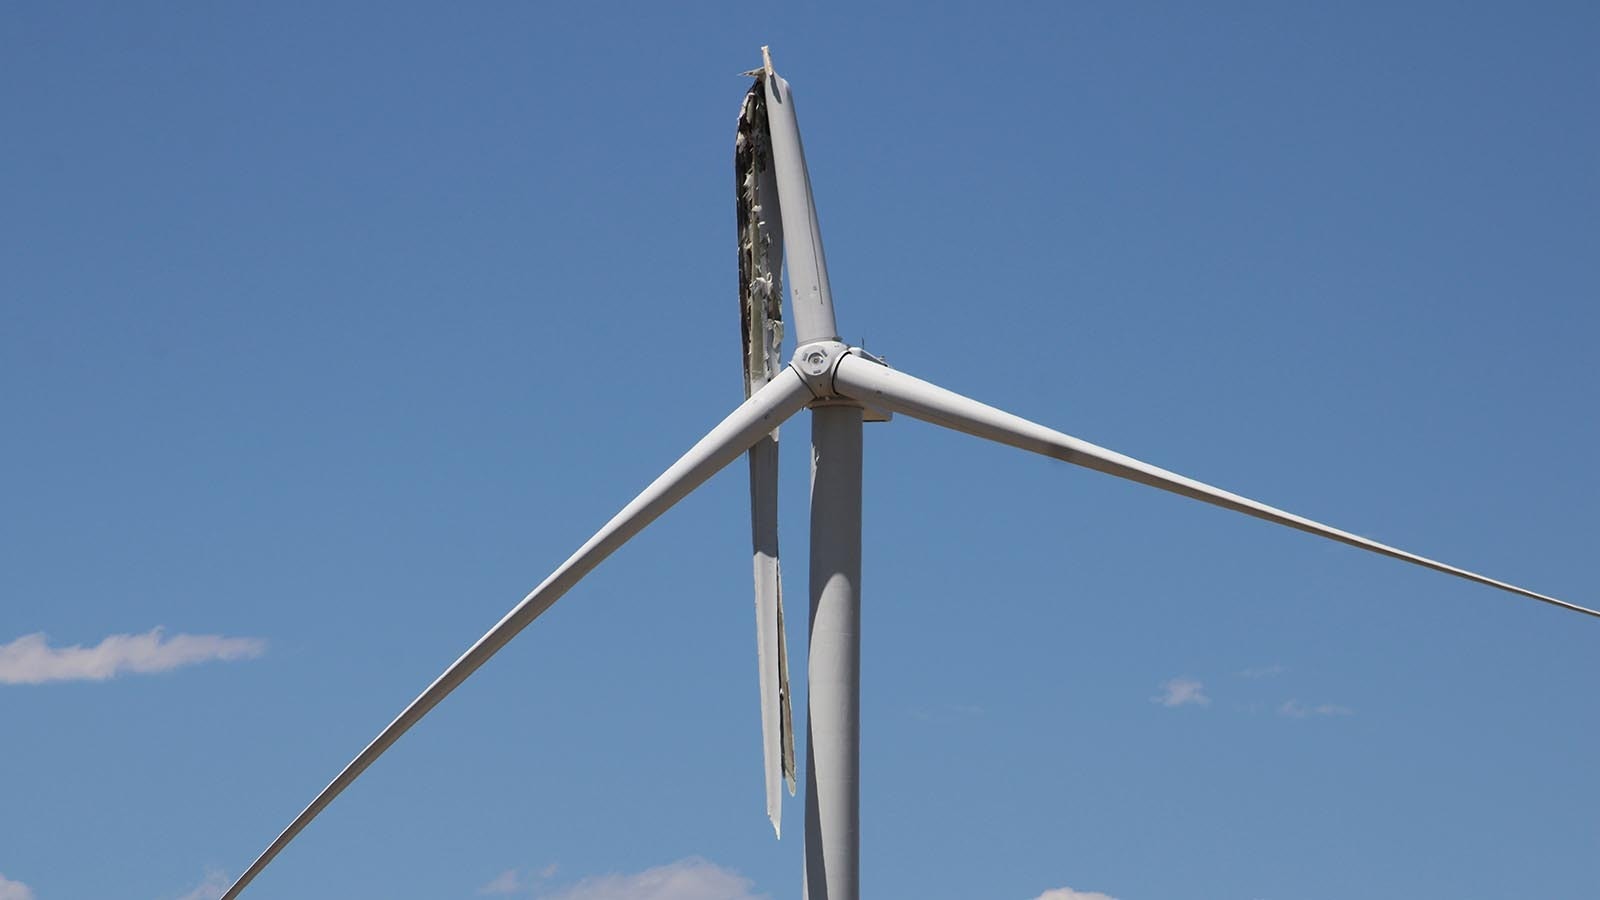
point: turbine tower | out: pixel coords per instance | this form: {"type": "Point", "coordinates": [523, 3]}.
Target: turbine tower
{"type": "Point", "coordinates": [842, 386]}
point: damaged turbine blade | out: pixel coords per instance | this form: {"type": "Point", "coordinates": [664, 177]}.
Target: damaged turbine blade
{"type": "Point", "coordinates": [760, 229]}
{"type": "Point", "coordinates": [760, 235]}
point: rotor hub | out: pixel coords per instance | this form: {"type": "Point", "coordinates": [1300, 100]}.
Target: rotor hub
{"type": "Point", "coordinates": [815, 362]}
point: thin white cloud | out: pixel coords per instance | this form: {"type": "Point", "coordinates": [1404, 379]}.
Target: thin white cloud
{"type": "Point", "coordinates": [31, 660]}
{"type": "Point", "coordinates": [1066, 893]}
{"type": "Point", "coordinates": [14, 890]}
{"type": "Point", "coordinates": [515, 881]}
{"type": "Point", "coordinates": [1294, 709]}
{"type": "Point", "coordinates": [507, 882]}
{"type": "Point", "coordinates": [210, 887]}
{"type": "Point", "coordinates": [687, 879]}
{"type": "Point", "coordinates": [1181, 692]}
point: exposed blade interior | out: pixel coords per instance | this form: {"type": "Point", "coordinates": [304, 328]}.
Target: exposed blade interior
{"type": "Point", "coordinates": [760, 235]}
{"type": "Point", "coordinates": [785, 709]}
{"type": "Point", "coordinates": [874, 384]}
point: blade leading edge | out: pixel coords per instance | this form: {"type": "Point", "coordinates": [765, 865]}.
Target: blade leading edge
{"type": "Point", "coordinates": [810, 296]}
{"type": "Point", "coordinates": [877, 385]}
{"type": "Point", "coordinates": [755, 418]}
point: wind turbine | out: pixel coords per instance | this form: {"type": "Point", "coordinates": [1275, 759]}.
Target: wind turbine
{"type": "Point", "coordinates": [843, 386]}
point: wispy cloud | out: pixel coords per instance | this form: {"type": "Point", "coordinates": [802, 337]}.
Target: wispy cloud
{"type": "Point", "coordinates": [14, 890]}
{"type": "Point", "coordinates": [1066, 893]}
{"type": "Point", "coordinates": [507, 882]}
{"type": "Point", "coordinates": [1262, 671]}
{"type": "Point", "coordinates": [210, 887]}
{"type": "Point", "coordinates": [687, 879]}
{"type": "Point", "coordinates": [31, 660]}
{"type": "Point", "coordinates": [1181, 692]}
{"type": "Point", "coordinates": [513, 881]}
{"type": "Point", "coordinates": [1294, 709]}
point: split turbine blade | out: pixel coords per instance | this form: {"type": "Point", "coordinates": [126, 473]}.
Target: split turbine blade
{"type": "Point", "coordinates": [879, 386]}
{"type": "Point", "coordinates": [754, 419]}
{"type": "Point", "coordinates": [760, 232]}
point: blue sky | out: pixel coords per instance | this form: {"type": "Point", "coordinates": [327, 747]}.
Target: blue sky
{"type": "Point", "coordinates": [329, 330]}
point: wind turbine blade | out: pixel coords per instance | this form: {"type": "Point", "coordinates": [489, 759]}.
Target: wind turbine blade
{"type": "Point", "coordinates": [877, 385]}
{"type": "Point", "coordinates": [760, 233]}
{"type": "Point", "coordinates": [754, 419]}
{"type": "Point", "coordinates": [777, 734]}
{"type": "Point", "coordinates": [808, 267]}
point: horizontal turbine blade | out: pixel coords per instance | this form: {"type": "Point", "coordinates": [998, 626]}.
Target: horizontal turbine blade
{"type": "Point", "coordinates": [877, 385]}
{"type": "Point", "coordinates": [753, 420]}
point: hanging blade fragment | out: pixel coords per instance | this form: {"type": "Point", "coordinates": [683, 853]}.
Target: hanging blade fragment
{"type": "Point", "coordinates": [755, 418]}
{"type": "Point", "coordinates": [875, 384]}
{"type": "Point", "coordinates": [760, 241]}
{"type": "Point", "coordinates": [777, 727]}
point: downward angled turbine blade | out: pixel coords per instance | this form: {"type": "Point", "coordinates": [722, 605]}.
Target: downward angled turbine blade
{"type": "Point", "coordinates": [878, 385]}
{"type": "Point", "coordinates": [755, 418]}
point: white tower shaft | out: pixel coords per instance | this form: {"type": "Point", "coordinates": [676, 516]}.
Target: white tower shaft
{"type": "Point", "coordinates": [833, 671]}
